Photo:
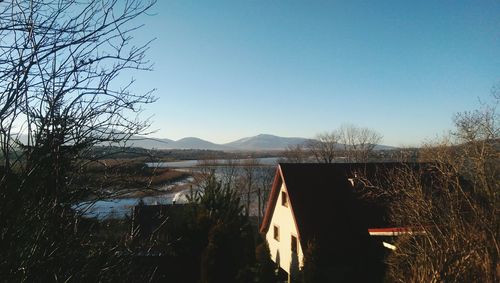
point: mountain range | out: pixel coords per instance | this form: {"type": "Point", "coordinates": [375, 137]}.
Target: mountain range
{"type": "Point", "coordinates": [260, 142]}
{"type": "Point", "coordinates": [255, 143]}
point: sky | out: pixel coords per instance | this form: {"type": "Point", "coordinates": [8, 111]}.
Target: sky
{"type": "Point", "coordinates": [224, 70]}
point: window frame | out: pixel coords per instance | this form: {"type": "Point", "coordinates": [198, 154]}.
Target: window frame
{"type": "Point", "coordinates": [276, 232]}
{"type": "Point", "coordinates": [294, 248]}
{"type": "Point", "coordinates": [284, 199]}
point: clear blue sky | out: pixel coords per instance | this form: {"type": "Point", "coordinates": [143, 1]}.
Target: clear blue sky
{"type": "Point", "coordinates": [231, 69]}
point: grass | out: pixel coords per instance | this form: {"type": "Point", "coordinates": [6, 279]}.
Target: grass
{"type": "Point", "coordinates": [129, 175]}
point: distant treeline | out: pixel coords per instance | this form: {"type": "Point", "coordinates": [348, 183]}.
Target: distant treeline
{"type": "Point", "coordinates": [157, 155]}
{"type": "Point", "coordinates": [107, 152]}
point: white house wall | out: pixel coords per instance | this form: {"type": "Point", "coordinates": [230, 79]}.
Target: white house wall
{"type": "Point", "coordinates": [283, 218]}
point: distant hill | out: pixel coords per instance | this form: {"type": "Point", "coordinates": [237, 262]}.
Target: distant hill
{"type": "Point", "coordinates": [196, 143]}
{"type": "Point", "coordinates": [149, 143]}
{"type": "Point", "coordinates": [184, 143]}
{"type": "Point", "coordinates": [265, 142]}
{"type": "Point", "coordinates": [384, 147]}
{"type": "Point", "coordinates": [256, 143]}
{"type": "Point", "coordinates": [134, 141]}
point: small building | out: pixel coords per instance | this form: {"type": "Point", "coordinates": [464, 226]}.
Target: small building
{"type": "Point", "coordinates": [316, 204]}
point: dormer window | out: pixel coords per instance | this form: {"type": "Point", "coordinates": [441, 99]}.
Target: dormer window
{"type": "Point", "coordinates": [284, 199]}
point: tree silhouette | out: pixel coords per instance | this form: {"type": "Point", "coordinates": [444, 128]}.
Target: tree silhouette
{"type": "Point", "coordinates": [59, 61]}
{"type": "Point", "coordinates": [222, 231]}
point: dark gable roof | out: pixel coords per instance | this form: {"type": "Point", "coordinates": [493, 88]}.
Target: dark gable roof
{"type": "Point", "coordinates": [323, 201]}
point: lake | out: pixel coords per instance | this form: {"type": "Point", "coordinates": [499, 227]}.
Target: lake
{"type": "Point", "coordinates": [121, 207]}
{"type": "Point", "coordinates": [267, 161]}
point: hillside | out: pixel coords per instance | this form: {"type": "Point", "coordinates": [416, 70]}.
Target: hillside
{"type": "Point", "coordinates": [260, 142]}
{"type": "Point", "coordinates": [195, 143]}
{"type": "Point", "coordinates": [266, 142]}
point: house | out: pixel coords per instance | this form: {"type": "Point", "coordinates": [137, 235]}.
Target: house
{"type": "Point", "coordinates": [313, 203]}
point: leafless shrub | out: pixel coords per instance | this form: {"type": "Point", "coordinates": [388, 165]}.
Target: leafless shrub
{"type": "Point", "coordinates": [451, 204]}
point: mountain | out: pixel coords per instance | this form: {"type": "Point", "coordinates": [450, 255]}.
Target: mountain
{"type": "Point", "coordinates": [265, 142]}
{"type": "Point", "coordinates": [259, 142]}
{"type": "Point", "coordinates": [195, 143]}
{"type": "Point", "coordinates": [184, 143]}
{"type": "Point", "coordinates": [255, 143]}
{"type": "Point", "coordinates": [149, 143]}
{"type": "Point", "coordinates": [384, 147]}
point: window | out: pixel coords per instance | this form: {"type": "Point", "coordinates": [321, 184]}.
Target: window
{"type": "Point", "coordinates": [284, 199]}
{"type": "Point", "coordinates": [276, 231]}
{"type": "Point", "coordinates": [294, 244]}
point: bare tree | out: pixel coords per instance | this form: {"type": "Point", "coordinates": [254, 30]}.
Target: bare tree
{"type": "Point", "coordinates": [250, 177]}
{"type": "Point", "coordinates": [295, 154]}
{"type": "Point", "coordinates": [324, 147]}
{"type": "Point", "coordinates": [205, 169]}
{"type": "Point", "coordinates": [452, 204]}
{"type": "Point", "coordinates": [404, 154]}
{"type": "Point", "coordinates": [226, 171]}
{"type": "Point", "coordinates": [265, 180]}
{"type": "Point", "coordinates": [358, 142]}
{"type": "Point", "coordinates": [59, 61]}
{"type": "Point", "coordinates": [248, 181]}
{"type": "Point", "coordinates": [229, 171]}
